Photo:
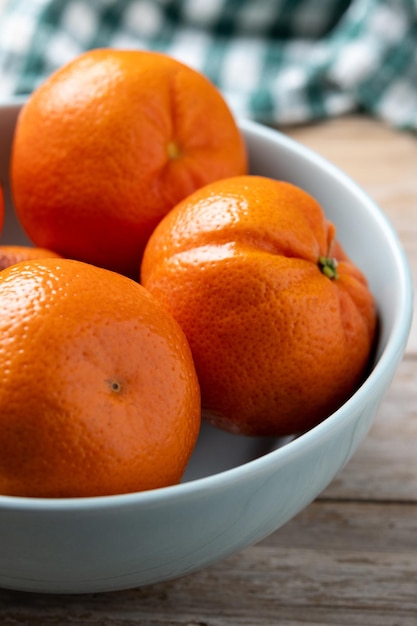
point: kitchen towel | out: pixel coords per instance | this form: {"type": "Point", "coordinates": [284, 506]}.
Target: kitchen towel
{"type": "Point", "coordinates": [280, 62]}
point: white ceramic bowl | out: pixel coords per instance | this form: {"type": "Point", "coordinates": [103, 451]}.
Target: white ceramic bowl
{"type": "Point", "coordinates": [236, 490]}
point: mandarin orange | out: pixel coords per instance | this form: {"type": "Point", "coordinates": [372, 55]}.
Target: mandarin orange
{"type": "Point", "coordinates": [10, 255]}
{"type": "Point", "coordinates": [280, 322]}
{"type": "Point", "coordinates": [99, 392]}
{"type": "Point", "coordinates": [108, 144]}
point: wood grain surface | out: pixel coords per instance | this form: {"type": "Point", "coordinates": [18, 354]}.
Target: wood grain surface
{"type": "Point", "coordinates": [350, 558]}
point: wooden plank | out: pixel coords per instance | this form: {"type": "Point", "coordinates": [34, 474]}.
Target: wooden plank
{"type": "Point", "coordinates": [385, 466]}
{"type": "Point", "coordinates": [350, 526]}
{"type": "Point", "coordinates": [343, 589]}
{"type": "Point", "coordinates": [335, 563]}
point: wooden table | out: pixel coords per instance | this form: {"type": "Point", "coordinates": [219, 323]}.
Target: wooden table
{"type": "Point", "coordinates": [350, 558]}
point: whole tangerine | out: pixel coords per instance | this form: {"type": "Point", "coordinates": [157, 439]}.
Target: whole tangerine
{"type": "Point", "coordinates": [280, 322]}
{"type": "Point", "coordinates": [99, 394]}
{"type": "Point", "coordinates": [108, 144]}
{"type": "Point", "coordinates": [10, 255]}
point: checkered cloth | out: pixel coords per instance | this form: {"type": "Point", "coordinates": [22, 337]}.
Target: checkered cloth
{"type": "Point", "coordinates": [276, 61]}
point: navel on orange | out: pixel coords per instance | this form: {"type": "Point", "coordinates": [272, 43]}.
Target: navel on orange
{"type": "Point", "coordinates": [280, 322]}
{"type": "Point", "coordinates": [99, 393]}
{"type": "Point", "coordinates": [108, 144]}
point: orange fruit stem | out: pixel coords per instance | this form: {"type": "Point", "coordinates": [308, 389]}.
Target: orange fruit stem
{"type": "Point", "coordinates": [328, 266]}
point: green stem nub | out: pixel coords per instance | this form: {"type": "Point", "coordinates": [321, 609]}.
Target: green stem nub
{"type": "Point", "coordinates": [328, 266]}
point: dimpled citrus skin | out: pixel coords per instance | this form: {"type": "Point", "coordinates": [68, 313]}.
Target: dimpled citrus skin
{"type": "Point", "coordinates": [110, 143]}
{"type": "Point", "coordinates": [99, 394]}
{"type": "Point", "coordinates": [10, 255]}
{"type": "Point", "coordinates": [278, 345]}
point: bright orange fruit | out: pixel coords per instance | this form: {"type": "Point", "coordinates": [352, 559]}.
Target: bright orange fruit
{"type": "Point", "coordinates": [280, 322]}
{"type": "Point", "coordinates": [99, 393]}
{"type": "Point", "coordinates": [109, 144]}
{"type": "Point", "coordinates": [10, 255]}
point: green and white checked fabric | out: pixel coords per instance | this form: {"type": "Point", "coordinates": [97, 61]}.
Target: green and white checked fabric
{"type": "Point", "coordinates": [277, 61]}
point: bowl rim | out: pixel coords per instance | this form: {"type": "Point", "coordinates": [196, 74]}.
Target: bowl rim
{"type": "Point", "coordinates": [383, 369]}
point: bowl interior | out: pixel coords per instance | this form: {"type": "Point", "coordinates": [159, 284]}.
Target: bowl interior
{"type": "Point", "coordinates": [363, 230]}
{"type": "Point", "coordinates": [236, 489]}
